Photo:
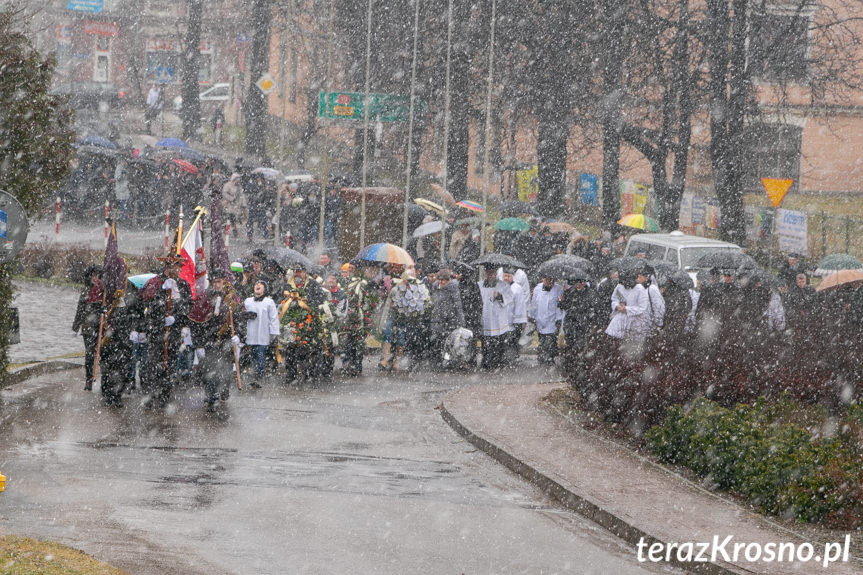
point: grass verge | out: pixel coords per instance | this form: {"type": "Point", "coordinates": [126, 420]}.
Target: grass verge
{"type": "Point", "coordinates": [23, 556]}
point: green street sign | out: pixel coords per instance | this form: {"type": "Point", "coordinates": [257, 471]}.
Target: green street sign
{"type": "Point", "coordinates": [351, 106]}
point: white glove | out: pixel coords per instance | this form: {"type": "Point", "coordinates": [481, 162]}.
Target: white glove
{"type": "Point", "coordinates": [168, 284]}
{"type": "Point", "coordinates": [200, 353]}
{"type": "Point", "coordinates": [133, 337]}
{"type": "Point", "coordinates": [235, 340]}
{"type": "Point", "coordinates": [186, 334]}
{"type": "Point", "coordinates": [169, 321]}
{"type": "Point", "coordinates": [142, 337]}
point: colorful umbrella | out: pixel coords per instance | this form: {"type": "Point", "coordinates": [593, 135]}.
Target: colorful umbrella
{"type": "Point", "coordinates": [639, 221]}
{"type": "Point", "coordinates": [186, 166]}
{"type": "Point", "coordinates": [841, 278]}
{"type": "Point", "coordinates": [429, 205]}
{"type": "Point", "coordinates": [836, 262]}
{"type": "Point", "coordinates": [469, 205]}
{"type": "Point", "coordinates": [385, 252]}
{"type": "Point", "coordinates": [512, 225]}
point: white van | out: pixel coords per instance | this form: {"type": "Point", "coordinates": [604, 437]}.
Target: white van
{"type": "Point", "coordinates": [678, 248]}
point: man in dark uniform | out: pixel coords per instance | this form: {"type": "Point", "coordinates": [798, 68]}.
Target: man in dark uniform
{"type": "Point", "coordinates": [124, 318]}
{"type": "Point", "coordinates": [218, 323]}
{"type": "Point", "coordinates": [168, 299]}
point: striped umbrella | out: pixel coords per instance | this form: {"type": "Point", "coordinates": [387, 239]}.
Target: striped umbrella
{"type": "Point", "coordinates": [469, 205]}
{"type": "Point", "coordinates": [385, 252]}
{"type": "Point", "coordinates": [639, 221]}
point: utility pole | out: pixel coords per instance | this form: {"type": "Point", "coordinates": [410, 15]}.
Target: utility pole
{"type": "Point", "coordinates": [191, 111]}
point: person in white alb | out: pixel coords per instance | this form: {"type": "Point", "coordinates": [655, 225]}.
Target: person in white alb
{"type": "Point", "coordinates": [496, 318]}
{"type": "Point", "coordinates": [263, 329]}
{"type": "Point", "coordinates": [630, 319]}
{"type": "Point", "coordinates": [548, 317]}
{"type": "Point", "coordinates": [517, 281]}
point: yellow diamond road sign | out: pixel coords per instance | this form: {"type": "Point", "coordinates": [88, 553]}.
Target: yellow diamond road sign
{"type": "Point", "coordinates": [266, 84]}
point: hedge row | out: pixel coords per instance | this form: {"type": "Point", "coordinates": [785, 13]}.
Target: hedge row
{"type": "Point", "coordinates": [775, 454]}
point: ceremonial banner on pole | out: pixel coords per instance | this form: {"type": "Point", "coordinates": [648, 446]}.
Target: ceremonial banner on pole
{"type": "Point", "coordinates": [219, 261]}
{"type": "Point", "coordinates": [113, 267]}
{"type": "Point", "coordinates": [194, 263]}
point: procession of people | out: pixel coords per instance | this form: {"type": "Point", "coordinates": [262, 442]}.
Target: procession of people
{"type": "Point", "coordinates": [275, 313]}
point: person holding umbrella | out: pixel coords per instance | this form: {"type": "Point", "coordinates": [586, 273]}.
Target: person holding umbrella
{"type": "Point", "coordinates": [496, 318]}
{"type": "Point", "coordinates": [87, 319]}
{"type": "Point", "coordinates": [547, 316]}
{"type": "Point", "coordinates": [584, 316]}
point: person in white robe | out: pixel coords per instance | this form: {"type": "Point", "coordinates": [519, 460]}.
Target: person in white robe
{"type": "Point", "coordinates": [496, 318]}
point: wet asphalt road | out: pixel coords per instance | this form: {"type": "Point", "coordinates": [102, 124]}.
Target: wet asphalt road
{"type": "Point", "coordinates": [356, 476]}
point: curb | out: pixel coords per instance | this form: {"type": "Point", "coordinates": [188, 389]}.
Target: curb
{"type": "Point", "coordinates": [37, 369]}
{"type": "Point", "coordinates": [574, 502]}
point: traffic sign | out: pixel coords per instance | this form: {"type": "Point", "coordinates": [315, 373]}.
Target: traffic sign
{"type": "Point", "coordinates": [776, 189]}
{"type": "Point", "coordinates": [351, 106]}
{"type": "Point", "coordinates": [84, 5]}
{"type": "Point", "coordinates": [165, 74]}
{"type": "Point", "coordinates": [265, 83]}
{"type": "Point", "coordinates": [13, 227]}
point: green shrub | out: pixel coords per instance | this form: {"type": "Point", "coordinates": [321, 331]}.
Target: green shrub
{"type": "Point", "coordinates": [766, 454]}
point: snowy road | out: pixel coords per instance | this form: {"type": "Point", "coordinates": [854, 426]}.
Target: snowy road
{"type": "Point", "coordinates": [358, 476]}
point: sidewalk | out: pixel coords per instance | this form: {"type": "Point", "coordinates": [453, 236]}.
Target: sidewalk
{"type": "Point", "coordinates": [618, 489]}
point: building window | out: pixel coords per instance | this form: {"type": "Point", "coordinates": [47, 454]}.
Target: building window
{"type": "Point", "coordinates": [101, 69]}
{"type": "Point", "coordinates": [773, 152]}
{"type": "Point", "coordinates": [779, 47]}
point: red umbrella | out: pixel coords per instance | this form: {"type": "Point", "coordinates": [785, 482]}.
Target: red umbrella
{"type": "Point", "coordinates": [186, 166]}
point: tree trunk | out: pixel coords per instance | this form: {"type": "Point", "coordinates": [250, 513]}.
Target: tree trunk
{"type": "Point", "coordinates": [611, 117]}
{"type": "Point", "coordinates": [191, 111]}
{"type": "Point", "coordinates": [551, 160]}
{"type": "Point", "coordinates": [256, 101]}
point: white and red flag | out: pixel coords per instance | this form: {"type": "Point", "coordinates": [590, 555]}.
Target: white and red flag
{"type": "Point", "coordinates": [194, 263]}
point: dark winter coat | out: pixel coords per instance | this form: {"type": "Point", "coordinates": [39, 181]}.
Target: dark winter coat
{"type": "Point", "coordinates": [447, 311]}
{"type": "Point", "coordinates": [585, 313]}
{"type": "Point", "coordinates": [471, 299]}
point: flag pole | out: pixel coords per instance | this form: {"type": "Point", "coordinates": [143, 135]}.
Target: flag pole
{"type": "Point", "coordinates": [201, 211]}
{"type": "Point", "coordinates": [180, 231]}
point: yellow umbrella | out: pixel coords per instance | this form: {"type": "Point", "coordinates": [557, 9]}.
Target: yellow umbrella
{"type": "Point", "coordinates": [639, 221]}
{"type": "Point", "coordinates": [429, 205]}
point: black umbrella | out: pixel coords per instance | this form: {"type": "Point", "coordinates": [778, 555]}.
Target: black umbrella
{"type": "Point", "coordinates": [574, 261]}
{"type": "Point", "coordinates": [726, 260]}
{"type": "Point", "coordinates": [559, 269]}
{"type": "Point", "coordinates": [462, 268]}
{"type": "Point", "coordinates": [416, 215]}
{"type": "Point", "coordinates": [662, 270]}
{"type": "Point", "coordinates": [287, 258]}
{"type": "Point", "coordinates": [681, 279]}
{"type": "Point", "coordinates": [498, 261]}
{"type": "Point", "coordinates": [516, 207]}
{"type": "Point", "coordinates": [628, 264]}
